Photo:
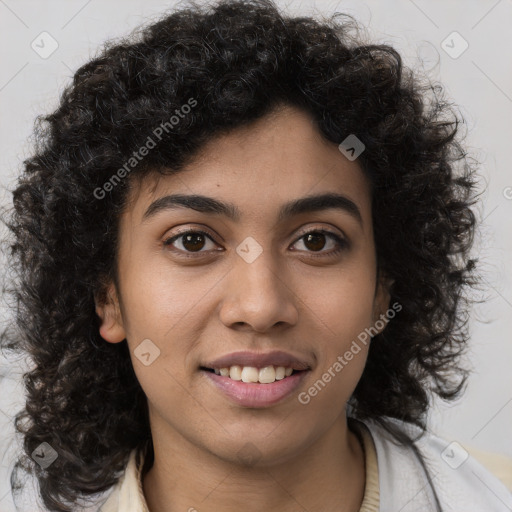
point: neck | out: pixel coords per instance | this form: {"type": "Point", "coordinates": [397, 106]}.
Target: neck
{"type": "Point", "coordinates": [328, 475]}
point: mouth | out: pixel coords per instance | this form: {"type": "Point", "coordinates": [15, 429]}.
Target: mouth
{"type": "Point", "coordinates": [257, 379]}
{"type": "Point", "coordinates": [242, 385]}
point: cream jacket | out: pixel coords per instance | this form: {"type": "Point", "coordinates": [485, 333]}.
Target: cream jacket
{"type": "Point", "coordinates": [395, 479]}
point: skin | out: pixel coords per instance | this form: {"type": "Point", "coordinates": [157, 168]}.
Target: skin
{"type": "Point", "coordinates": [214, 303]}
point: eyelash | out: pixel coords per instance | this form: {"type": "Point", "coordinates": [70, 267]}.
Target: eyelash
{"type": "Point", "coordinates": [341, 242]}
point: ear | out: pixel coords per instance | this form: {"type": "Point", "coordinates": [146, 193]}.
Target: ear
{"type": "Point", "coordinates": [107, 308]}
{"type": "Point", "coordinates": [382, 299]}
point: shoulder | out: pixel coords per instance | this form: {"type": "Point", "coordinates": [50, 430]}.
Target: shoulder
{"type": "Point", "coordinates": [458, 480]}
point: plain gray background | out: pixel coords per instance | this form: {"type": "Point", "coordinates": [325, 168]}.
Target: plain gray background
{"type": "Point", "coordinates": [479, 81]}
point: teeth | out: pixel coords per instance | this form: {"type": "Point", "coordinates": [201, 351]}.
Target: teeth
{"type": "Point", "coordinates": [265, 375]}
{"type": "Point", "coordinates": [250, 374]}
{"type": "Point", "coordinates": [235, 372]}
{"type": "Point", "coordinates": [280, 372]}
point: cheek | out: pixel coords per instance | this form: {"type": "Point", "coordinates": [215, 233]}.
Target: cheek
{"type": "Point", "coordinates": [163, 304]}
{"type": "Point", "coordinates": [170, 309]}
{"type": "Point", "coordinates": [341, 309]}
{"type": "Point", "coordinates": [341, 304]}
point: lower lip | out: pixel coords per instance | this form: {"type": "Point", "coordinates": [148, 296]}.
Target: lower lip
{"type": "Point", "coordinates": [253, 394]}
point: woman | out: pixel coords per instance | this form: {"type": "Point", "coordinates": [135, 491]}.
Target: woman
{"type": "Point", "coordinates": [243, 258]}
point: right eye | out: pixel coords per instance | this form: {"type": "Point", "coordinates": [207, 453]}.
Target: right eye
{"type": "Point", "coordinates": [191, 241]}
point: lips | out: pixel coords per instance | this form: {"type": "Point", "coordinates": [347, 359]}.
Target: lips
{"type": "Point", "coordinates": [259, 360]}
{"type": "Point", "coordinates": [257, 394]}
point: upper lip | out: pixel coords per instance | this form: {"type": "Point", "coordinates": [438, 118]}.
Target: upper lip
{"type": "Point", "coordinates": [259, 360]}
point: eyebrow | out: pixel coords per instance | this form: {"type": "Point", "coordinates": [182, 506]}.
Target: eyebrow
{"type": "Point", "coordinates": [209, 205]}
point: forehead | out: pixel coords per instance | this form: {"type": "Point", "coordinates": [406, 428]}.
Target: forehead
{"type": "Point", "coordinates": [261, 166]}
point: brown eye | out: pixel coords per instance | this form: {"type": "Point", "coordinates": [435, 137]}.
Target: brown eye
{"type": "Point", "coordinates": [193, 242]}
{"type": "Point", "coordinates": [190, 241]}
{"type": "Point", "coordinates": [315, 241]}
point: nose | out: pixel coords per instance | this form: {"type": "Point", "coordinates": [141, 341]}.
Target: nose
{"type": "Point", "coordinates": [257, 296]}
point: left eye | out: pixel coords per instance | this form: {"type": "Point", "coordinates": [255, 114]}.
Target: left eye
{"type": "Point", "coordinates": [315, 240]}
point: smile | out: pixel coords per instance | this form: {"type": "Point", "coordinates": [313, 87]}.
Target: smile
{"type": "Point", "coordinates": [248, 374]}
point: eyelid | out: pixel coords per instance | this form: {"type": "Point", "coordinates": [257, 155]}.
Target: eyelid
{"type": "Point", "coordinates": [321, 229]}
{"type": "Point", "coordinates": [341, 241]}
{"type": "Point", "coordinates": [196, 228]}
{"type": "Point", "coordinates": [169, 239]}
{"type": "Point", "coordinates": [202, 230]}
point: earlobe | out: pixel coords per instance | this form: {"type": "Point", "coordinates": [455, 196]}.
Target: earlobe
{"type": "Point", "coordinates": [111, 324]}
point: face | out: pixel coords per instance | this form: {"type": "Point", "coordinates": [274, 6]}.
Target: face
{"type": "Point", "coordinates": [245, 279]}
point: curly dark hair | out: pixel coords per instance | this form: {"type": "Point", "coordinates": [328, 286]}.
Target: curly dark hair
{"type": "Point", "coordinates": [239, 60]}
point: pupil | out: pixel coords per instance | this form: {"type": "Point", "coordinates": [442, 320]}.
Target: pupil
{"type": "Point", "coordinates": [190, 242]}
{"type": "Point", "coordinates": [318, 240]}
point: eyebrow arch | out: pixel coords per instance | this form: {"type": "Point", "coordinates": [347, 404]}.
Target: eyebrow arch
{"type": "Point", "coordinates": [213, 206]}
